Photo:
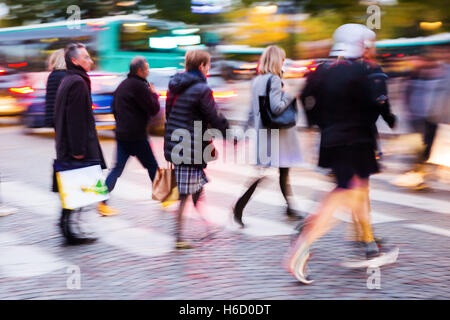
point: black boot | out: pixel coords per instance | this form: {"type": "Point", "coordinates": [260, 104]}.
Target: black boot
{"type": "Point", "coordinates": [237, 214]}
{"type": "Point", "coordinates": [242, 202]}
{"type": "Point", "coordinates": [293, 215]}
{"type": "Point", "coordinates": [66, 227]}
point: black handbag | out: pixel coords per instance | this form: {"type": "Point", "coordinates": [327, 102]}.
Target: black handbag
{"type": "Point", "coordinates": [287, 119]}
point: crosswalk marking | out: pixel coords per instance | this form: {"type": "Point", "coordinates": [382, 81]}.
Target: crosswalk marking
{"type": "Point", "coordinates": [23, 261]}
{"type": "Point", "coordinates": [389, 177]}
{"type": "Point", "coordinates": [123, 235]}
{"type": "Point", "coordinates": [429, 229]}
{"type": "Point", "coordinates": [275, 198]}
{"type": "Point", "coordinates": [8, 238]}
{"type": "Point", "coordinates": [131, 191]}
{"type": "Point", "coordinates": [140, 241]}
{"type": "Point", "coordinates": [33, 198]}
{"type": "Point", "coordinates": [254, 226]}
{"type": "Point", "coordinates": [414, 201]}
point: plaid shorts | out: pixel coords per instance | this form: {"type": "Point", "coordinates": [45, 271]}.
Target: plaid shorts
{"type": "Point", "coordinates": [190, 179]}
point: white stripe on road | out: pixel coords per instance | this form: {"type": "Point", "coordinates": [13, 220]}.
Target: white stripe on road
{"type": "Point", "coordinates": [32, 198]}
{"type": "Point", "coordinates": [275, 198]}
{"type": "Point", "coordinates": [254, 226]}
{"type": "Point", "coordinates": [413, 201]}
{"type": "Point", "coordinates": [7, 238]}
{"type": "Point", "coordinates": [121, 234]}
{"type": "Point", "coordinates": [131, 191]}
{"type": "Point", "coordinates": [389, 178]}
{"type": "Point", "coordinates": [47, 203]}
{"type": "Point", "coordinates": [140, 241]}
{"type": "Point", "coordinates": [429, 229]}
{"type": "Point", "coordinates": [23, 261]}
{"type": "Point", "coordinates": [114, 231]}
{"type": "Point", "coordinates": [219, 185]}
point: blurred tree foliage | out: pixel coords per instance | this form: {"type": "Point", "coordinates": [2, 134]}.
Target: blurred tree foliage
{"type": "Point", "coordinates": [41, 11]}
{"type": "Point", "coordinates": [34, 11]}
{"type": "Point", "coordinates": [400, 20]}
{"type": "Point", "coordinates": [324, 16]}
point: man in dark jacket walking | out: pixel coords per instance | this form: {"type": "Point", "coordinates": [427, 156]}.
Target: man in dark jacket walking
{"type": "Point", "coordinates": [135, 101]}
{"type": "Point", "coordinates": [76, 136]}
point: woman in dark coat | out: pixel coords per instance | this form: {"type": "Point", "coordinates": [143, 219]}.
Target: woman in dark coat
{"type": "Point", "coordinates": [189, 102]}
{"type": "Point", "coordinates": [57, 66]}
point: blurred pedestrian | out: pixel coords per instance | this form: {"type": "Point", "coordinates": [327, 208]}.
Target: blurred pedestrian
{"type": "Point", "coordinates": [289, 153]}
{"type": "Point", "coordinates": [57, 68]}
{"type": "Point", "coordinates": [134, 102]}
{"type": "Point", "coordinates": [378, 89]}
{"type": "Point", "coordinates": [190, 103]}
{"type": "Point", "coordinates": [340, 99]}
{"type": "Point", "coordinates": [76, 135]}
{"type": "Point", "coordinates": [427, 101]}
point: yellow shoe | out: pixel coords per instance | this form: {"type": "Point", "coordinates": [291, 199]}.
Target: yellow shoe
{"type": "Point", "coordinates": [165, 204]}
{"type": "Point", "coordinates": [182, 245]}
{"type": "Point", "coordinates": [106, 210]}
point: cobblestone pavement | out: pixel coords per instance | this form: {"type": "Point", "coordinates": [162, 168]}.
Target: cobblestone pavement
{"type": "Point", "coordinates": [134, 256]}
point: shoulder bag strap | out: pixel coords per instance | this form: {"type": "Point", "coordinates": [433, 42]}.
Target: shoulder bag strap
{"type": "Point", "coordinates": [268, 85]}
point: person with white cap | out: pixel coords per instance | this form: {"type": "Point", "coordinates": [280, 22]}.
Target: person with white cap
{"type": "Point", "coordinates": [339, 97]}
{"type": "Point", "coordinates": [378, 85]}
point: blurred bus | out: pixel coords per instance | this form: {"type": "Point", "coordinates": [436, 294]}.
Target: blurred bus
{"type": "Point", "coordinates": [112, 42]}
{"type": "Point", "coordinates": [397, 55]}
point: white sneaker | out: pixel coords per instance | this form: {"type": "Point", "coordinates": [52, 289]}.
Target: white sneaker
{"type": "Point", "coordinates": [6, 211]}
{"type": "Point", "coordinates": [409, 180]}
{"type": "Point", "coordinates": [297, 265]}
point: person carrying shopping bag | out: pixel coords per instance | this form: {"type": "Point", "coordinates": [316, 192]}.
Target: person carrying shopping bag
{"type": "Point", "coordinates": [190, 110]}
{"type": "Point", "coordinates": [77, 144]}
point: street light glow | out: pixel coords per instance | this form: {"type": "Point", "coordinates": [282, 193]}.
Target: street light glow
{"type": "Point", "coordinates": [125, 3]}
{"type": "Point", "coordinates": [430, 25]}
{"type": "Point", "coordinates": [266, 9]}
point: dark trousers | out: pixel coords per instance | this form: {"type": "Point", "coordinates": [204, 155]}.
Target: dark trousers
{"type": "Point", "coordinates": [428, 138]}
{"type": "Point", "coordinates": [141, 150]}
{"type": "Point", "coordinates": [284, 185]}
{"type": "Point", "coordinates": [428, 131]}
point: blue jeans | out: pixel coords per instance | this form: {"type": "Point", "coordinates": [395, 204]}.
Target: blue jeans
{"type": "Point", "coordinates": [141, 150]}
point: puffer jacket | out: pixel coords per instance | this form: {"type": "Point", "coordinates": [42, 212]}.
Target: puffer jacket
{"type": "Point", "coordinates": [189, 100]}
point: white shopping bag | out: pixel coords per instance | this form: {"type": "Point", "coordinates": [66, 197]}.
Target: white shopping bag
{"type": "Point", "coordinates": [440, 151]}
{"type": "Point", "coordinates": [81, 187]}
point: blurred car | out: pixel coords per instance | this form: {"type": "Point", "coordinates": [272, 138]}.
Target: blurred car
{"type": "Point", "coordinates": [237, 70]}
{"type": "Point", "coordinates": [223, 93]}
{"type": "Point", "coordinates": [299, 68]}
{"type": "Point", "coordinates": [12, 89]}
{"type": "Point", "coordinates": [240, 70]}
{"type": "Point", "coordinates": [103, 86]}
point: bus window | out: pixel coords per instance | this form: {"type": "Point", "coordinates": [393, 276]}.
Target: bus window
{"type": "Point", "coordinates": [143, 37]}
{"type": "Point", "coordinates": [12, 53]}
{"type": "Point", "coordinates": [32, 55]}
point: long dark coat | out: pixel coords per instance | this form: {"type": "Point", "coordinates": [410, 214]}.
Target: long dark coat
{"type": "Point", "coordinates": [74, 119]}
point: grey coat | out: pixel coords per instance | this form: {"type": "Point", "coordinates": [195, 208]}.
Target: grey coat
{"type": "Point", "coordinates": [283, 147]}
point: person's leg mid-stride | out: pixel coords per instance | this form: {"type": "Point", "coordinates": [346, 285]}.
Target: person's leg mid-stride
{"type": "Point", "coordinates": [122, 155]}
{"type": "Point", "coordinates": [318, 224]}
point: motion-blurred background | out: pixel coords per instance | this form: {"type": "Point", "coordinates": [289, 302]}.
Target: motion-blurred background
{"type": "Point", "coordinates": [234, 31]}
